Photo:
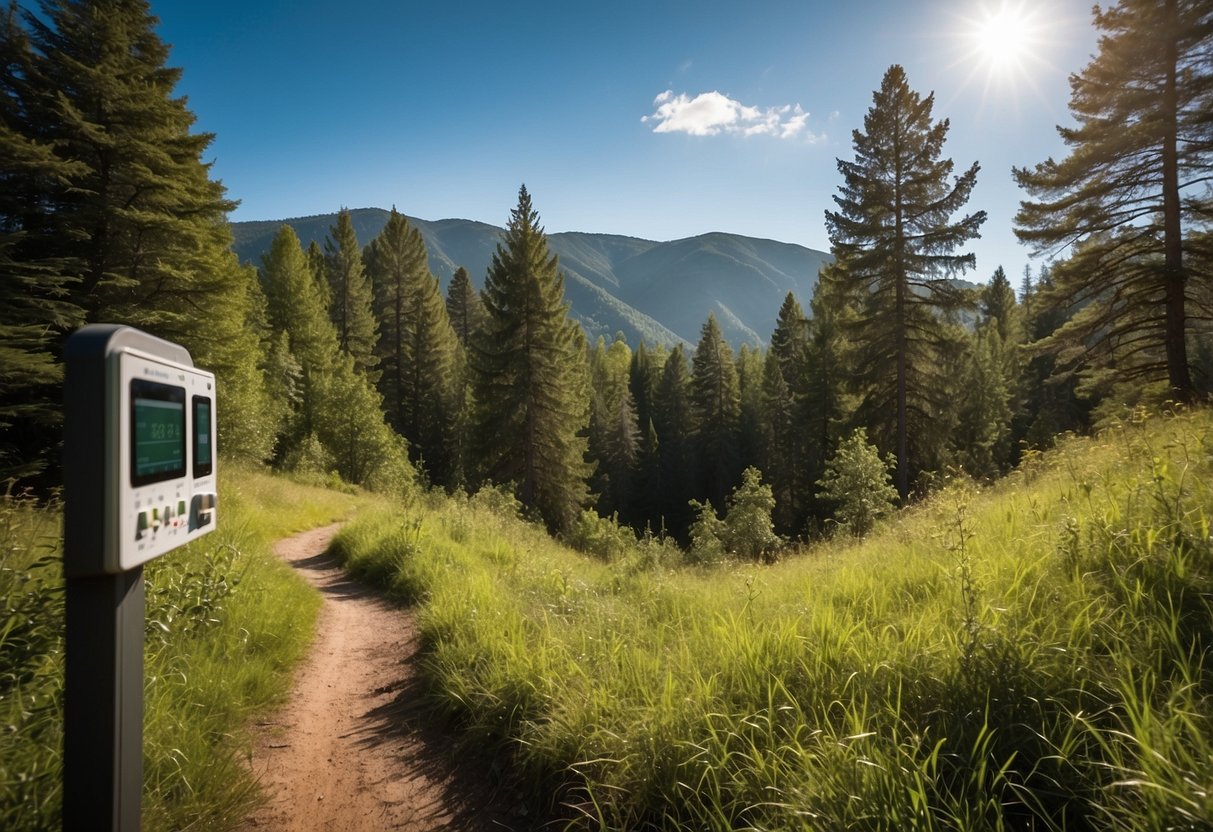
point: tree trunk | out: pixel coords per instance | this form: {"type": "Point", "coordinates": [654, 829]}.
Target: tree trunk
{"type": "Point", "coordinates": [1174, 278]}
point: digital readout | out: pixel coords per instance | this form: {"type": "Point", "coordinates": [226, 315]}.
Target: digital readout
{"type": "Point", "coordinates": [158, 432]}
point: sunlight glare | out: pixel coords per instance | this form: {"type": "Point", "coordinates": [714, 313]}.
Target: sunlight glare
{"type": "Point", "coordinates": [1003, 40]}
{"type": "Point", "coordinates": [1001, 47]}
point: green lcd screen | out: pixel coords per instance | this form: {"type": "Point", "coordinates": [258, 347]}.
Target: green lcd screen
{"type": "Point", "coordinates": [157, 432]}
{"type": "Point", "coordinates": [203, 431]}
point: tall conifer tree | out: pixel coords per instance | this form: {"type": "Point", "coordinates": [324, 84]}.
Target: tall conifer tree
{"type": "Point", "coordinates": [716, 408]}
{"type": "Point", "coordinates": [894, 235]}
{"type": "Point", "coordinates": [529, 376]}
{"type": "Point", "coordinates": [466, 312]}
{"type": "Point", "coordinates": [673, 421]}
{"type": "Point", "coordinates": [464, 306]}
{"type": "Point", "coordinates": [36, 307]}
{"type": "Point", "coordinates": [786, 430]}
{"type": "Point", "coordinates": [417, 348]}
{"type": "Point", "coordinates": [1137, 176]}
{"type": "Point", "coordinates": [350, 296]}
{"type": "Point", "coordinates": [295, 308]}
{"type": "Point", "coordinates": [132, 215]}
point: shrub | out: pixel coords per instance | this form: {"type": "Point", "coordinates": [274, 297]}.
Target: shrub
{"type": "Point", "coordinates": [748, 530]}
{"type": "Point", "coordinates": [857, 481]}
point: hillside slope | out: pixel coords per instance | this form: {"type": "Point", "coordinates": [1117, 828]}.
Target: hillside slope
{"type": "Point", "coordinates": [1029, 656]}
{"type": "Point", "coordinates": [652, 291]}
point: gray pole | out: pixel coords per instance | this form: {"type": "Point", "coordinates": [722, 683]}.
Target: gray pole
{"type": "Point", "coordinates": [103, 703]}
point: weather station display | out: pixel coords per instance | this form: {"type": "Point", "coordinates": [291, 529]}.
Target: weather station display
{"type": "Point", "coordinates": [157, 432]}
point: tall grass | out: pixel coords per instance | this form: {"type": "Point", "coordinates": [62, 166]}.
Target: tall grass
{"type": "Point", "coordinates": [226, 621]}
{"type": "Point", "coordinates": [1031, 656]}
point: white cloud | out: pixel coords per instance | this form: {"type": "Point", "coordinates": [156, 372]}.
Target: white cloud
{"type": "Point", "coordinates": [712, 113]}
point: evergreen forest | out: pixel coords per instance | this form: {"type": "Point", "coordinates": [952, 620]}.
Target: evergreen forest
{"type": "Point", "coordinates": [349, 364]}
{"type": "Point", "coordinates": [349, 360]}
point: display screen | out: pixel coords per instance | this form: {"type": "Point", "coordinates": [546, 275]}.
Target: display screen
{"type": "Point", "coordinates": [157, 432]}
{"type": "Point", "coordinates": [203, 431]}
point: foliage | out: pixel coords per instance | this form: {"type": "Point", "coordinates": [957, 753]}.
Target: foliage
{"type": "Point", "coordinates": [109, 214]}
{"type": "Point", "coordinates": [350, 301]}
{"type": "Point", "coordinates": [856, 481]}
{"type": "Point", "coordinates": [1032, 656]}
{"type": "Point", "coordinates": [748, 530]}
{"type": "Point", "coordinates": [672, 423]}
{"type": "Point", "coordinates": [528, 377]}
{"type": "Point", "coordinates": [602, 537]}
{"type": "Point", "coordinates": [707, 535]}
{"type": "Point", "coordinates": [224, 595]}
{"type": "Point", "coordinates": [715, 398]}
{"type": "Point", "coordinates": [1135, 179]}
{"type": "Point", "coordinates": [417, 349]}
{"type": "Point", "coordinates": [893, 237]}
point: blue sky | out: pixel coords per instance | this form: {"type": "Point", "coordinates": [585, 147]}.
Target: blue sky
{"type": "Point", "coordinates": [656, 120]}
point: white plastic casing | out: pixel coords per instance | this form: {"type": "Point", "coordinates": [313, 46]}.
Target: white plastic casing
{"type": "Point", "coordinates": [157, 504]}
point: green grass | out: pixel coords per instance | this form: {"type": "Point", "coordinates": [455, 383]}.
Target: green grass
{"type": "Point", "coordinates": [1030, 656]}
{"type": "Point", "coordinates": [226, 622]}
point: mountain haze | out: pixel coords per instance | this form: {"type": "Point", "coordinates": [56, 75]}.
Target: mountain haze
{"type": "Point", "coordinates": [659, 292]}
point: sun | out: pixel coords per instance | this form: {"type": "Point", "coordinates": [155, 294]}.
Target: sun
{"type": "Point", "coordinates": [1004, 40]}
{"type": "Point", "coordinates": [1001, 47]}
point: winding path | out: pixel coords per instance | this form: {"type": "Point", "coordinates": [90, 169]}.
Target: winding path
{"type": "Point", "coordinates": [350, 750]}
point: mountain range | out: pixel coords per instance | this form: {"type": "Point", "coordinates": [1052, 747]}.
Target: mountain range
{"type": "Point", "coordinates": [659, 292]}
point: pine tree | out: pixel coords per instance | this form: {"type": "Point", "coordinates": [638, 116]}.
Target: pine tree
{"type": "Point", "coordinates": [751, 449]}
{"type": "Point", "coordinates": [1144, 107]}
{"type": "Point", "coordinates": [529, 378]}
{"type": "Point", "coordinates": [716, 412]}
{"type": "Point", "coordinates": [822, 407]}
{"type": "Point", "coordinates": [614, 435]}
{"type": "Point", "coordinates": [780, 433]}
{"type": "Point", "coordinates": [138, 223]}
{"type": "Point", "coordinates": [673, 421]}
{"type": "Point", "coordinates": [35, 304]}
{"type": "Point", "coordinates": [295, 308]}
{"type": "Point", "coordinates": [417, 349]}
{"type": "Point", "coordinates": [350, 306]}
{"type": "Point", "coordinates": [983, 435]}
{"type": "Point", "coordinates": [466, 312]}
{"type": "Point", "coordinates": [894, 236]}
{"type": "Point", "coordinates": [785, 430]}
{"type": "Point", "coordinates": [339, 421]}
{"type": "Point", "coordinates": [318, 264]}
{"type": "Point", "coordinates": [464, 307]}
{"type": "Point", "coordinates": [998, 306]}
{"type": "Point", "coordinates": [643, 377]}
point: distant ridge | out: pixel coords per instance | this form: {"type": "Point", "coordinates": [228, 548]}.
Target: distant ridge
{"type": "Point", "coordinates": [659, 292]}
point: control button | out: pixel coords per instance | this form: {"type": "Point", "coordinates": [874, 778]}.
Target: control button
{"type": "Point", "coordinates": [155, 519]}
{"type": "Point", "coordinates": [141, 525]}
{"type": "Point", "coordinates": [204, 506]}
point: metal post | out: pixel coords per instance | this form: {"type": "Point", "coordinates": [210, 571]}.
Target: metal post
{"type": "Point", "coordinates": [103, 703]}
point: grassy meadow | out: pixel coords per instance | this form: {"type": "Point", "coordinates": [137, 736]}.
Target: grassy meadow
{"type": "Point", "coordinates": [1031, 655]}
{"type": "Point", "coordinates": [226, 623]}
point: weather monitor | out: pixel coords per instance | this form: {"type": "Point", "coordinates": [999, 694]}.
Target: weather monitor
{"type": "Point", "coordinates": [140, 446]}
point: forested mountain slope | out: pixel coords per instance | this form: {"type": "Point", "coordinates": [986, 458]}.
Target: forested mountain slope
{"type": "Point", "coordinates": [652, 291]}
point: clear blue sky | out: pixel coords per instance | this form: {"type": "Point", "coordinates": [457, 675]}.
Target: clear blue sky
{"type": "Point", "coordinates": [656, 120]}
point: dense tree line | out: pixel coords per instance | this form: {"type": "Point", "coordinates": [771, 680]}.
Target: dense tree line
{"type": "Point", "coordinates": [347, 358]}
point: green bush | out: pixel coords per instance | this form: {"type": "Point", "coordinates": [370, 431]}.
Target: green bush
{"type": "Point", "coordinates": [857, 482]}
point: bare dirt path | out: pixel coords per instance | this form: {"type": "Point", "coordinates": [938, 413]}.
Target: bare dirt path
{"type": "Point", "coordinates": [350, 750]}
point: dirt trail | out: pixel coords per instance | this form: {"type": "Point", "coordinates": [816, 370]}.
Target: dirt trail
{"type": "Point", "coordinates": [350, 751]}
